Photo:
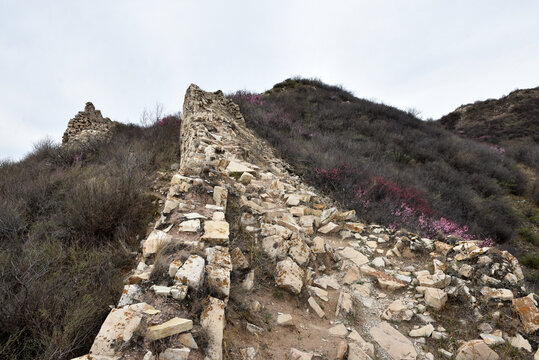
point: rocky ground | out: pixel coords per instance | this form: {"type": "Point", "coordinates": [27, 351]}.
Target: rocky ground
{"type": "Point", "coordinates": [248, 262]}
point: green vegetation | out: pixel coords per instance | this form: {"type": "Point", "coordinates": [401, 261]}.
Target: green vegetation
{"type": "Point", "coordinates": [527, 234]}
{"type": "Point", "coordinates": [68, 220]}
{"type": "Point", "coordinates": [531, 260]}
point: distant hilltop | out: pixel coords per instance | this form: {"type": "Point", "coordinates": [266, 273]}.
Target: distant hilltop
{"type": "Point", "coordinates": [514, 116]}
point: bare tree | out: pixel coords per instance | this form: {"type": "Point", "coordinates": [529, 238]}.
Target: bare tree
{"type": "Point", "coordinates": [150, 116]}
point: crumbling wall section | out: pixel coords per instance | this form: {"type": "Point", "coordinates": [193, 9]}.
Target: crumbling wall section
{"type": "Point", "coordinates": [88, 125]}
{"type": "Point", "coordinates": [353, 290]}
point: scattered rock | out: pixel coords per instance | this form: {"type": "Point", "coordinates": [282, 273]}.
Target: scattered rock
{"type": "Point", "coordinates": [319, 245]}
{"type": "Point", "coordinates": [520, 342]}
{"type": "Point", "coordinates": [435, 298]}
{"type": "Point", "coordinates": [216, 232]}
{"type": "Point", "coordinates": [192, 272]}
{"type": "Point", "coordinates": [492, 340]}
{"type": "Point", "coordinates": [342, 348]}
{"type": "Point", "coordinates": [296, 354]}
{"type": "Point", "coordinates": [212, 321]}
{"type": "Point", "coordinates": [175, 354]}
{"type": "Point", "coordinates": [289, 276]}
{"type": "Point", "coordinates": [329, 228]}
{"type": "Point", "coordinates": [239, 261]}
{"type": "Point", "coordinates": [171, 327]}
{"type": "Point", "coordinates": [355, 256]}
{"type": "Point", "coordinates": [355, 352]}
{"type": "Point", "coordinates": [250, 352]}
{"type": "Point", "coordinates": [173, 267]}
{"type": "Point", "coordinates": [118, 328]}
{"type": "Point", "coordinates": [275, 246]}
{"type": "Point", "coordinates": [317, 309]}
{"type": "Point", "coordinates": [393, 342]}
{"type": "Point", "coordinates": [476, 350]}
{"type": "Point", "coordinates": [497, 294]}
{"type": "Point", "coordinates": [351, 276]}
{"type": "Point", "coordinates": [386, 281]}
{"type": "Point", "coordinates": [365, 346]}
{"type": "Point", "coordinates": [155, 240]}
{"type": "Point", "coordinates": [189, 226]}
{"type": "Point", "coordinates": [425, 331]}
{"type": "Point", "coordinates": [187, 340]}
{"type": "Point", "coordinates": [285, 320]}
{"type": "Point", "coordinates": [249, 281]}
{"type": "Point", "coordinates": [338, 330]}
{"type": "Point", "coordinates": [526, 308]}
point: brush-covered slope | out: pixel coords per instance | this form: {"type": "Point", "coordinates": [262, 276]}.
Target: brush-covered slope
{"type": "Point", "coordinates": [515, 116]}
{"type": "Point", "coordinates": [69, 219]}
{"type": "Point", "coordinates": [510, 125]}
{"type": "Point", "coordinates": [388, 165]}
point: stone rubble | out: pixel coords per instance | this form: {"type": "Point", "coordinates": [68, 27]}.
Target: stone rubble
{"type": "Point", "coordinates": [374, 293]}
{"type": "Point", "coordinates": [87, 126]}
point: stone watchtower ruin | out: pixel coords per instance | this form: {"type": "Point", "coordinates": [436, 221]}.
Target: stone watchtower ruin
{"type": "Point", "coordinates": [88, 125]}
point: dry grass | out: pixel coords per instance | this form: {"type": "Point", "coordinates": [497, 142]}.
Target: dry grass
{"type": "Point", "coordinates": [68, 221]}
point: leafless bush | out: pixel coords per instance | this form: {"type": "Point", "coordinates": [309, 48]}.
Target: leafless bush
{"type": "Point", "coordinates": [68, 217]}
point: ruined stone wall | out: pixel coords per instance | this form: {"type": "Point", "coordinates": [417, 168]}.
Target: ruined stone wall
{"type": "Point", "coordinates": [88, 125]}
{"type": "Point", "coordinates": [248, 262]}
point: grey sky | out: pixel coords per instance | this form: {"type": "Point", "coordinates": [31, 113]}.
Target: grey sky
{"type": "Point", "coordinates": [125, 56]}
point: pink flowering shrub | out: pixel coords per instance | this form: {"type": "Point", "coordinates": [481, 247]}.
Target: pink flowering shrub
{"type": "Point", "coordinates": [404, 172]}
{"type": "Point", "coordinates": [168, 120]}
{"type": "Point", "coordinates": [488, 242]}
{"type": "Point", "coordinates": [330, 174]}
{"type": "Point", "coordinates": [256, 99]}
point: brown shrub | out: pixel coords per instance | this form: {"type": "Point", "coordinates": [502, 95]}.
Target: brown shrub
{"type": "Point", "coordinates": [68, 219]}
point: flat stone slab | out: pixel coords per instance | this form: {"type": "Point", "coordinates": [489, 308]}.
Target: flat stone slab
{"type": "Point", "coordinates": [212, 321]}
{"type": "Point", "coordinates": [155, 240]}
{"type": "Point", "coordinates": [218, 279]}
{"type": "Point", "coordinates": [275, 246]}
{"type": "Point", "coordinates": [172, 327]}
{"type": "Point", "coordinates": [299, 251]}
{"type": "Point", "coordinates": [192, 272]}
{"type": "Point", "coordinates": [393, 342]}
{"type": "Point", "coordinates": [175, 354]}
{"type": "Point", "coordinates": [476, 350]}
{"type": "Point", "coordinates": [316, 308]}
{"type": "Point", "coordinates": [329, 228]}
{"type": "Point", "coordinates": [386, 281]}
{"type": "Point", "coordinates": [289, 276]}
{"type": "Point", "coordinates": [216, 231]}
{"type": "Point", "coordinates": [526, 309]}
{"type": "Point", "coordinates": [236, 168]}
{"type": "Point", "coordinates": [118, 329]}
{"type": "Point", "coordinates": [355, 256]}
{"type": "Point", "coordinates": [189, 226]}
{"type": "Point", "coordinates": [497, 294]}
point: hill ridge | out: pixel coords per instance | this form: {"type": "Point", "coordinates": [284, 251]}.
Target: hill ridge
{"type": "Point", "coordinates": [246, 261]}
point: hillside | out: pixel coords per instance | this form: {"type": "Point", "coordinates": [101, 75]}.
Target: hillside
{"type": "Point", "coordinates": [224, 251]}
{"type": "Point", "coordinates": [509, 125]}
{"type": "Point", "coordinates": [389, 166]}
{"type": "Point", "coordinates": [70, 217]}
{"type": "Point", "coordinates": [515, 116]}
{"type": "Point", "coordinates": [249, 262]}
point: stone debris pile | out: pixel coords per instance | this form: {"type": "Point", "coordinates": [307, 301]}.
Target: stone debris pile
{"type": "Point", "coordinates": [88, 125]}
{"type": "Point", "coordinates": [246, 260]}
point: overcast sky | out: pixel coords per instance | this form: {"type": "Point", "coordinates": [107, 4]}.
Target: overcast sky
{"type": "Point", "coordinates": [125, 56]}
